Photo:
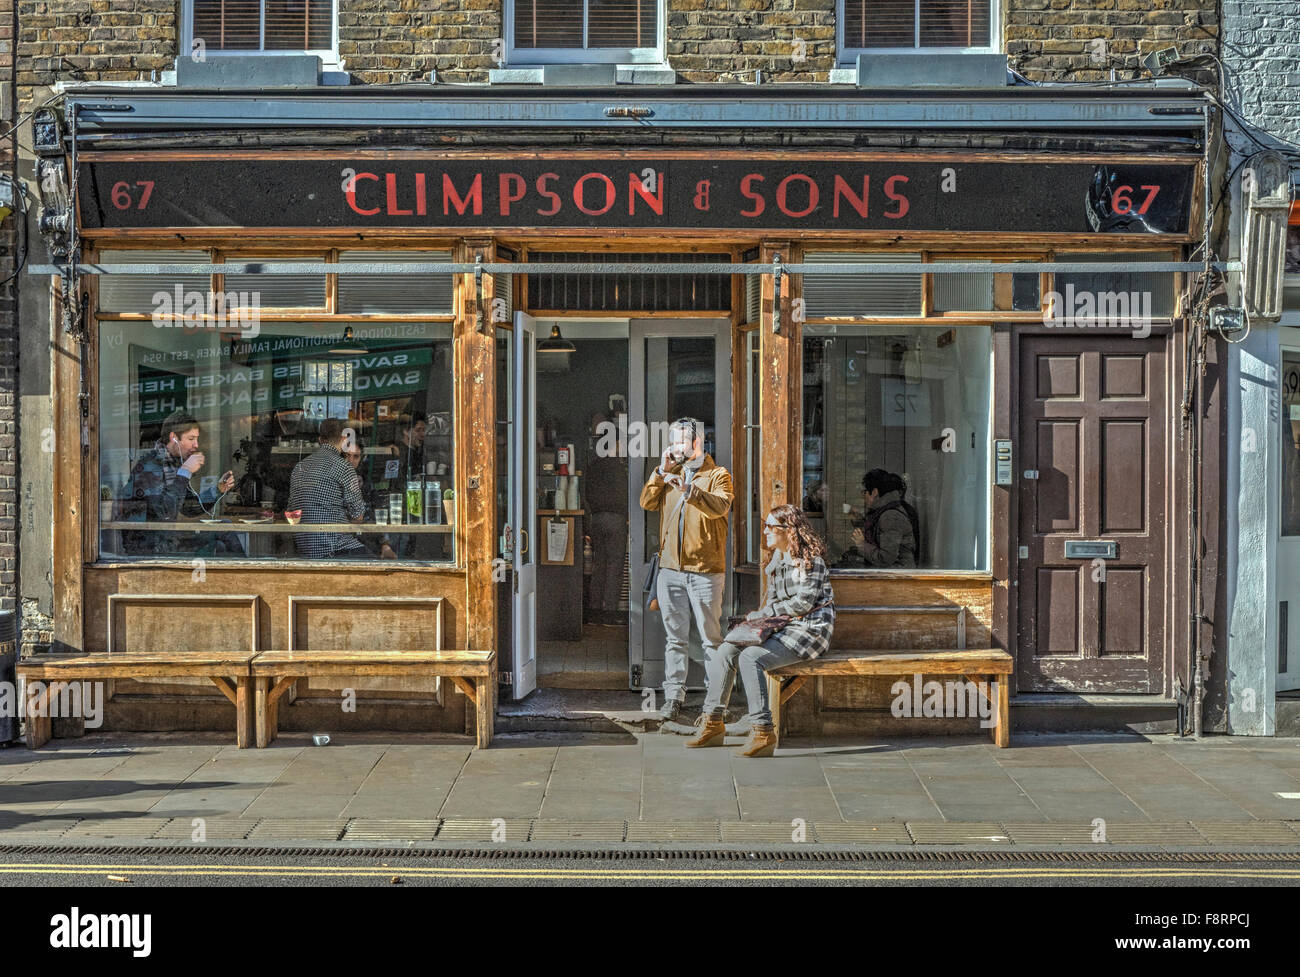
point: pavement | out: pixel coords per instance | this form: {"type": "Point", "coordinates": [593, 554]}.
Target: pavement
{"type": "Point", "coordinates": [639, 789]}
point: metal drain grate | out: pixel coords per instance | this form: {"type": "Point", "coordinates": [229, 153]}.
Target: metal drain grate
{"type": "Point", "coordinates": [653, 854]}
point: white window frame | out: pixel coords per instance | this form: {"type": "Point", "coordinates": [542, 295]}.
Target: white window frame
{"type": "Point", "coordinates": [329, 56]}
{"type": "Point", "coordinates": [585, 55]}
{"type": "Point", "coordinates": [849, 55]}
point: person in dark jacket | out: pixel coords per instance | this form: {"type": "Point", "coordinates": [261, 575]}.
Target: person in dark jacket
{"type": "Point", "coordinates": [158, 490]}
{"type": "Point", "coordinates": [886, 534]}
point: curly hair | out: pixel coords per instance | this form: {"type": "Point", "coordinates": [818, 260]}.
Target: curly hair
{"type": "Point", "coordinates": [807, 544]}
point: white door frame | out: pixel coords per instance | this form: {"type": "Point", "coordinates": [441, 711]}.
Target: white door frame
{"type": "Point", "coordinates": [639, 330]}
{"type": "Point", "coordinates": [523, 508]}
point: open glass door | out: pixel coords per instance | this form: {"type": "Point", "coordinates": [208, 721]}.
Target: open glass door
{"type": "Point", "coordinates": [677, 368]}
{"type": "Point", "coordinates": [523, 510]}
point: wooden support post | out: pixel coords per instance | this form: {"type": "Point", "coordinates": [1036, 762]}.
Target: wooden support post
{"type": "Point", "coordinates": [476, 451]}
{"type": "Point", "coordinates": [69, 476]}
{"type": "Point", "coordinates": [780, 454]}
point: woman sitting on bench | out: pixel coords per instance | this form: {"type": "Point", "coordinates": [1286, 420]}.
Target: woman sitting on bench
{"type": "Point", "coordinates": [798, 587]}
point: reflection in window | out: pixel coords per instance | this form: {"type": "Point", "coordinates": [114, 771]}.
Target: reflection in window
{"type": "Point", "coordinates": [180, 407]}
{"type": "Point", "coordinates": [910, 406]}
{"type": "Point", "coordinates": [1290, 443]}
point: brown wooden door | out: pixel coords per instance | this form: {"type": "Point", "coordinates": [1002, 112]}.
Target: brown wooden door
{"type": "Point", "coordinates": [1092, 424]}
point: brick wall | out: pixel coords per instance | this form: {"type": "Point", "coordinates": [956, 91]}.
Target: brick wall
{"type": "Point", "coordinates": [1261, 54]}
{"type": "Point", "coordinates": [389, 41]}
{"type": "Point", "coordinates": [1081, 40]}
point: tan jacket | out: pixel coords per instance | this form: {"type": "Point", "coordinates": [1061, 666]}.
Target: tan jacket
{"type": "Point", "coordinates": [704, 539]}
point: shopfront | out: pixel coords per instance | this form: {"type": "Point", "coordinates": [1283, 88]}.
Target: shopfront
{"type": "Point", "coordinates": [825, 310]}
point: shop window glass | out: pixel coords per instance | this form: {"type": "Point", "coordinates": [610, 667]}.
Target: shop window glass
{"type": "Point", "coordinates": [1152, 289]}
{"type": "Point", "coordinates": [150, 293]}
{"type": "Point", "coordinates": [253, 401]}
{"type": "Point", "coordinates": [985, 291]}
{"type": "Point", "coordinates": [263, 25]}
{"type": "Point", "coordinates": [861, 294]}
{"type": "Point", "coordinates": [914, 402]}
{"type": "Point", "coordinates": [277, 291]}
{"type": "Point", "coordinates": [395, 294]}
{"type": "Point", "coordinates": [870, 24]}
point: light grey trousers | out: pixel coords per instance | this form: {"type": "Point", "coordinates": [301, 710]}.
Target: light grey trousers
{"type": "Point", "coordinates": [683, 596]}
{"type": "Point", "coordinates": [752, 663]}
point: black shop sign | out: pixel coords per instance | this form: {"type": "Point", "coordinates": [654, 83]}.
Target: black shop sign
{"type": "Point", "coordinates": [649, 193]}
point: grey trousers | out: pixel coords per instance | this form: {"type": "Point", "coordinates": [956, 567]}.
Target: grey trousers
{"type": "Point", "coordinates": [753, 663]}
{"type": "Point", "coordinates": [684, 595]}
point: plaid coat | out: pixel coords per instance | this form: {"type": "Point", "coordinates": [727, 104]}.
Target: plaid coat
{"type": "Point", "coordinates": [793, 590]}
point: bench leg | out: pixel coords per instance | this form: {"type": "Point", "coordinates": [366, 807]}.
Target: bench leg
{"type": "Point", "coordinates": [39, 727]}
{"type": "Point", "coordinates": [774, 703]}
{"type": "Point", "coordinates": [1002, 728]}
{"type": "Point", "coordinates": [243, 711]}
{"type": "Point", "coordinates": [262, 712]}
{"type": "Point", "coordinates": [484, 706]}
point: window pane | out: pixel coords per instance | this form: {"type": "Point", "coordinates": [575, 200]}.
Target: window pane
{"type": "Point", "coordinates": [548, 24]}
{"type": "Point", "coordinates": [622, 23]}
{"type": "Point", "coordinates": [299, 25]}
{"type": "Point", "coordinates": [879, 23]}
{"type": "Point", "coordinates": [861, 294]}
{"type": "Point", "coordinates": [913, 402]}
{"type": "Point", "coordinates": [985, 291]}
{"type": "Point", "coordinates": [277, 291]}
{"type": "Point", "coordinates": [227, 25]}
{"type": "Point", "coordinates": [1155, 290]}
{"type": "Point", "coordinates": [253, 405]}
{"type": "Point", "coordinates": [140, 293]}
{"type": "Point", "coordinates": [1290, 443]}
{"type": "Point", "coordinates": [395, 294]}
{"type": "Point", "coordinates": [955, 23]}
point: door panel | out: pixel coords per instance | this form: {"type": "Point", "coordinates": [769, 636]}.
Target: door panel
{"type": "Point", "coordinates": [1092, 423]}
{"type": "Point", "coordinates": [523, 506]}
{"type": "Point", "coordinates": [677, 368]}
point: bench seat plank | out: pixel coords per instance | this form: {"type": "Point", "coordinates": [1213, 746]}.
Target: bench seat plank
{"type": "Point", "coordinates": [844, 662]}
{"type": "Point", "coordinates": [123, 664]}
{"type": "Point", "coordinates": [974, 664]}
{"type": "Point", "coordinates": [218, 667]}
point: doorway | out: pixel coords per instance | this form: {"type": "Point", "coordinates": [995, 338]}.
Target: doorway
{"type": "Point", "coordinates": [1091, 570]}
{"type": "Point", "coordinates": [587, 419]}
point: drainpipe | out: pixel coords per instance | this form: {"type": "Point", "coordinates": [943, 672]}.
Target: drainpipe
{"type": "Point", "coordinates": [1194, 466]}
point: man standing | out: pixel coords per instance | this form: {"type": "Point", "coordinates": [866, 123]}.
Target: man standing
{"type": "Point", "coordinates": [327, 490]}
{"type": "Point", "coordinates": [693, 496]}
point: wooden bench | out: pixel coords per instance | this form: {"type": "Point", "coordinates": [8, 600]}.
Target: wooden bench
{"type": "Point", "coordinates": [275, 672]}
{"type": "Point", "coordinates": [991, 664]}
{"type": "Point", "coordinates": [228, 671]}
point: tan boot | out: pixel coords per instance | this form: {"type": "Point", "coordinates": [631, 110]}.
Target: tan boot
{"type": "Point", "coordinates": [712, 731]}
{"type": "Point", "coordinates": [762, 742]}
